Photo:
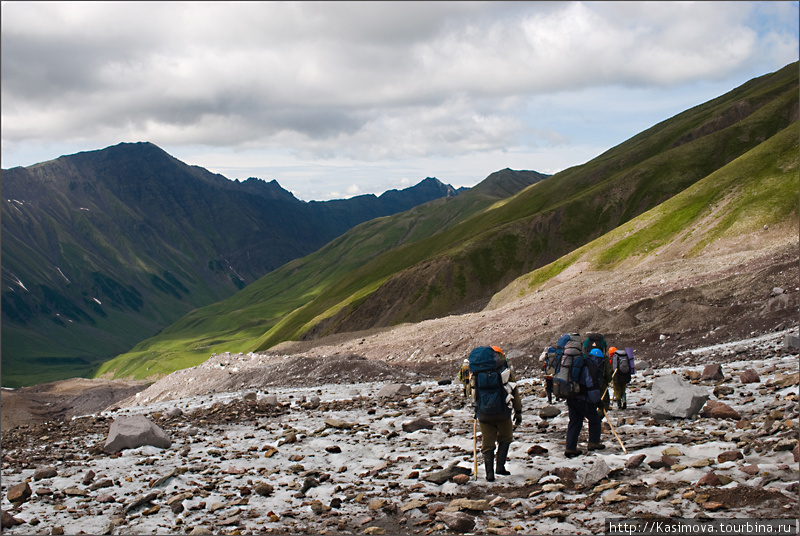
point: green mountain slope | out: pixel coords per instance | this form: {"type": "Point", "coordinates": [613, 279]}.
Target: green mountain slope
{"type": "Point", "coordinates": [104, 248]}
{"type": "Point", "coordinates": [758, 189]}
{"type": "Point", "coordinates": [237, 324]}
{"type": "Point", "coordinates": [461, 267]}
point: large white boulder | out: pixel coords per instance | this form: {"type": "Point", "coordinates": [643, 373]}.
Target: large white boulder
{"type": "Point", "coordinates": [674, 398]}
{"type": "Point", "coordinates": [130, 432]}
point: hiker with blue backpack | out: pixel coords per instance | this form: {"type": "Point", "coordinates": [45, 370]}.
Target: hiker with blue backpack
{"type": "Point", "coordinates": [585, 403]}
{"type": "Point", "coordinates": [495, 395]}
{"type": "Point", "coordinates": [606, 375]}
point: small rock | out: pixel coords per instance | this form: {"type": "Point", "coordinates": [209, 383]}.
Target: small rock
{"type": "Point", "coordinates": [749, 376]}
{"type": "Point", "coordinates": [634, 461]}
{"type": "Point", "coordinates": [336, 423]}
{"type": "Point", "coordinates": [468, 504]}
{"type": "Point", "coordinates": [418, 424]}
{"type": "Point", "coordinates": [10, 521]}
{"type": "Point", "coordinates": [456, 521]}
{"type": "Point", "coordinates": [548, 412]}
{"type": "Point", "coordinates": [751, 469]}
{"type": "Point", "coordinates": [729, 456]}
{"type": "Point", "coordinates": [709, 479]}
{"type": "Point", "coordinates": [538, 450]}
{"type": "Point", "coordinates": [270, 400]}
{"type": "Point", "coordinates": [375, 530]}
{"type": "Point", "coordinates": [723, 390]}
{"type": "Point", "coordinates": [671, 451]}
{"type": "Point", "coordinates": [44, 472]}
{"type": "Point", "coordinates": [174, 412]}
{"type": "Point", "coordinates": [461, 479]}
{"type": "Point", "coordinates": [665, 461]}
{"type": "Point", "coordinates": [105, 498]}
{"type": "Point", "coordinates": [264, 489]}
{"type": "Point", "coordinates": [88, 477]}
{"type": "Point", "coordinates": [440, 477]}
{"type": "Point", "coordinates": [333, 449]}
{"type": "Point", "coordinates": [76, 492]}
{"type": "Point", "coordinates": [719, 410]}
{"type": "Point", "coordinates": [394, 389]}
{"type": "Point", "coordinates": [19, 493]}
{"type": "Point", "coordinates": [712, 372]}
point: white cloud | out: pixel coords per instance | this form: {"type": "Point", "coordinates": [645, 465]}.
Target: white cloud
{"type": "Point", "coordinates": [367, 82]}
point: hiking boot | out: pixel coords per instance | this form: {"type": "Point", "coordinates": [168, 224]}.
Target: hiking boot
{"type": "Point", "coordinates": [488, 463]}
{"type": "Point", "coordinates": [595, 446]}
{"type": "Point", "coordinates": [502, 453]}
{"type": "Point", "coordinates": [571, 453]}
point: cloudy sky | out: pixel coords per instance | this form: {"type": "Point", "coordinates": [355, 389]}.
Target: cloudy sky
{"type": "Point", "coordinates": [334, 99]}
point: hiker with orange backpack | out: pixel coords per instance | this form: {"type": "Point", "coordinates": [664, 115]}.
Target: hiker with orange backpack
{"type": "Point", "coordinates": [623, 367]}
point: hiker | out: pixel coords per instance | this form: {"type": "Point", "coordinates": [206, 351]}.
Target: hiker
{"type": "Point", "coordinates": [495, 394]}
{"type": "Point", "coordinates": [623, 368]}
{"type": "Point", "coordinates": [597, 341]}
{"type": "Point", "coordinates": [463, 377]}
{"type": "Point", "coordinates": [585, 404]}
{"type": "Point", "coordinates": [548, 359]}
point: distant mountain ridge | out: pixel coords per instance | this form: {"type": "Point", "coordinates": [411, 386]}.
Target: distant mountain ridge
{"type": "Point", "coordinates": [103, 248]}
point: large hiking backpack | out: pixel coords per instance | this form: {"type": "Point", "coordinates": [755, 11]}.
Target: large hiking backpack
{"type": "Point", "coordinates": [550, 360]}
{"type": "Point", "coordinates": [590, 377]}
{"type": "Point", "coordinates": [595, 340]}
{"type": "Point", "coordinates": [490, 373]}
{"type": "Point", "coordinates": [565, 384]}
{"type": "Point", "coordinates": [620, 362]}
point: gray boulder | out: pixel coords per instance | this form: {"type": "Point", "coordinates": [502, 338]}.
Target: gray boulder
{"type": "Point", "coordinates": [394, 389]}
{"type": "Point", "coordinates": [791, 343]}
{"type": "Point", "coordinates": [597, 472]}
{"type": "Point", "coordinates": [674, 398]}
{"type": "Point", "coordinates": [130, 432]}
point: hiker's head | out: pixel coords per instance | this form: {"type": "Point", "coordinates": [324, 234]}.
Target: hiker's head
{"type": "Point", "coordinates": [498, 350]}
{"type": "Point", "coordinates": [596, 352]}
{"type": "Point", "coordinates": [612, 350]}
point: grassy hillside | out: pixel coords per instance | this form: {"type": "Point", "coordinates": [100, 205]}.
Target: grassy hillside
{"type": "Point", "coordinates": [237, 323]}
{"type": "Point", "coordinates": [757, 189]}
{"type": "Point", "coordinates": [462, 266]}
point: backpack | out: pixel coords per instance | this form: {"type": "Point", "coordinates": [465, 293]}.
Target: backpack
{"type": "Point", "coordinates": [595, 340]}
{"type": "Point", "coordinates": [565, 384]}
{"type": "Point", "coordinates": [490, 374]}
{"type": "Point", "coordinates": [620, 362]}
{"type": "Point", "coordinates": [550, 360]}
{"type": "Point", "coordinates": [590, 378]}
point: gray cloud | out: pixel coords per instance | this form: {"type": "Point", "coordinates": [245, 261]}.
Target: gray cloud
{"type": "Point", "coordinates": [362, 80]}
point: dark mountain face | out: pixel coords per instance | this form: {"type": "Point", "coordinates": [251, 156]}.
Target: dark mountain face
{"type": "Point", "coordinates": [102, 249]}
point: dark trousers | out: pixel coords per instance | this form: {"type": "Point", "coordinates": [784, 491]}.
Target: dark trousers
{"type": "Point", "coordinates": [579, 409]}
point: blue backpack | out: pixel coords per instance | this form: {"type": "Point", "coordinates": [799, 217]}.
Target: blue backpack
{"type": "Point", "coordinates": [590, 378]}
{"type": "Point", "coordinates": [486, 367]}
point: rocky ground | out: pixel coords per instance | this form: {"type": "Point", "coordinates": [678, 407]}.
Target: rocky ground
{"type": "Point", "coordinates": [333, 457]}
{"type": "Point", "coordinates": [342, 459]}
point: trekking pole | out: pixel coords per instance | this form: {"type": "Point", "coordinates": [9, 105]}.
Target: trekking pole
{"type": "Point", "coordinates": [475, 445]}
{"type": "Point", "coordinates": [608, 420]}
{"type": "Point", "coordinates": [614, 431]}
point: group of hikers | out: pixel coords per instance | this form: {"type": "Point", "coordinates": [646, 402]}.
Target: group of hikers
{"type": "Point", "coordinates": [578, 372]}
